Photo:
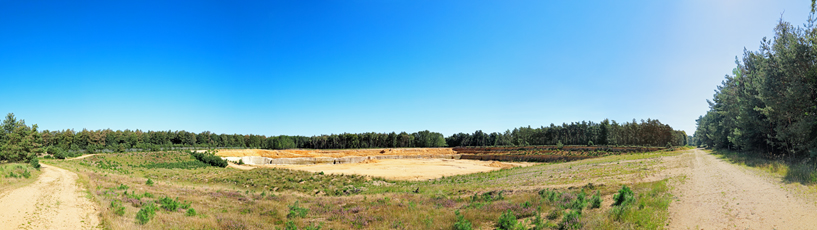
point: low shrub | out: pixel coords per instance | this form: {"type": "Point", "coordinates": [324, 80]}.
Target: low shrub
{"type": "Point", "coordinates": [170, 204]}
{"type": "Point", "coordinates": [507, 221]}
{"type": "Point", "coordinates": [209, 158]}
{"type": "Point", "coordinates": [190, 212]}
{"type": "Point", "coordinates": [571, 220]}
{"type": "Point", "coordinates": [462, 223]}
{"type": "Point", "coordinates": [595, 201]}
{"type": "Point", "coordinates": [297, 211]}
{"type": "Point", "coordinates": [117, 207]}
{"type": "Point", "coordinates": [624, 196]}
{"type": "Point", "coordinates": [146, 213]}
{"type": "Point", "coordinates": [149, 182]}
{"type": "Point", "coordinates": [35, 163]}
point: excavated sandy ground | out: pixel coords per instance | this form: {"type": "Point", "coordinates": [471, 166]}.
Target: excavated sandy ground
{"type": "Point", "coordinates": [294, 153]}
{"type": "Point", "coordinates": [54, 201]}
{"type": "Point", "coordinates": [407, 169]}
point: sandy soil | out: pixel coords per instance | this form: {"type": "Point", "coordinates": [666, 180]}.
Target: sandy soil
{"type": "Point", "coordinates": [83, 156]}
{"type": "Point", "coordinates": [407, 169]}
{"type": "Point", "coordinates": [720, 195]}
{"type": "Point", "coordinates": [54, 201]}
{"type": "Point", "coordinates": [293, 153]}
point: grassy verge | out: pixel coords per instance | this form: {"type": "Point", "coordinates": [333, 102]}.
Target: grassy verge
{"type": "Point", "coordinates": [186, 195]}
{"type": "Point", "coordinates": [803, 171]}
{"type": "Point", "coordinates": [15, 175]}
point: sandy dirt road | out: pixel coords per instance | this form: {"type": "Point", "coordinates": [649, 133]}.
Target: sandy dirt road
{"type": "Point", "coordinates": [720, 195]}
{"type": "Point", "coordinates": [54, 201]}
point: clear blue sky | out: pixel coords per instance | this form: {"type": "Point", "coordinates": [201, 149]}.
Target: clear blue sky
{"type": "Point", "coordinates": [321, 67]}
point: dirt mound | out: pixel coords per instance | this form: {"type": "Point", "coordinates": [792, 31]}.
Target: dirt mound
{"type": "Point", "coordinates": [500, 165]}
{"type": "Point", "coordinates": [369, 161]}
{"type": "Point", "coordinates": [295, 153]}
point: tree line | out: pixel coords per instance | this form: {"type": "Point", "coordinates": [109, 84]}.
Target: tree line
{"type": "Point", "coordinates": [647, 133]}
{"type": "Point", "coordinates": [768, 104]}
{"type": "Point", "coordinates": [19, 142]}
{"type": "Point", "coordinates": [124, 140]}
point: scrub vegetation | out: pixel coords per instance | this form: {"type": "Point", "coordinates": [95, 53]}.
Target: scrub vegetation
{"type": "Point", "coordinates": [206, 196]}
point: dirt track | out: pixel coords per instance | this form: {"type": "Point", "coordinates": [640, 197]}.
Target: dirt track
{"type": "Point", "coordinates": [54, 201]}
{"type": "Point", "coordinates": [720, 195]}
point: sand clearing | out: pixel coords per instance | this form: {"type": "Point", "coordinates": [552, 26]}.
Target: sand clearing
{"type": "Point", "coordinates": [294, 153]}
{"type": "Point", "coordinates": [407, 169]}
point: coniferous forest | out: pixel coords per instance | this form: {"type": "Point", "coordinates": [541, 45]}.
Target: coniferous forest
{"type": "Point", "coordinates": [21, 142]}
{"type": "Point", "coordinates": [768, 105]}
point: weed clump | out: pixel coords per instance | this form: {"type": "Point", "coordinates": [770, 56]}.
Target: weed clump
{"type": "Point", "coordinates": [170, 204]}
{"type": "Point", "coordinates": [595, 201]}
{"type": "Point", "coordinates": [297, 211]}
{"type": "Point", "coordinates": [507, 221]}
{"type": "Point", "coordinates": [149, 182]}
{"type": "Point", "coordinates": [117, 207]}
{"type": "Point", "coordinates": [146, 213]}
{"type": "Point", "coordinates": [571, 220]}
{"type": "Point", "coordinates": [462, 223]}
{"type": "Point", "coordinates": [190, 212]}
{"type": "Point", "coordinates": [624, 196]}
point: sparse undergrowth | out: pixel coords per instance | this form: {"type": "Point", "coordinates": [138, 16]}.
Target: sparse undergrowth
{"type": "Point", "coordinates": [226, 198]}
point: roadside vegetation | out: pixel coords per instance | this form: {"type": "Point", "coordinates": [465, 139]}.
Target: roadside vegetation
{"type": "Point", "coordinates": [763, 114]}
{"type": "Point", "coordinates": [166, 190]}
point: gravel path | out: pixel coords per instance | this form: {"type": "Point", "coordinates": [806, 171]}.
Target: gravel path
{"type": "Point", "coordinates": [54, 201]}
{"type": "Point", "coordinates": [720, 195]}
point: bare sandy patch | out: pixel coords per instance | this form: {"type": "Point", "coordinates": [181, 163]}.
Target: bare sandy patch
{"type": "Point", "coordinates": [407, 169]}
{"type": "Point", "coordinates": [294, 153]}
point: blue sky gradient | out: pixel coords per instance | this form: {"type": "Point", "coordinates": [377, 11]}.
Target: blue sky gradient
{"type": "Point", "coordinates": [321, 67]}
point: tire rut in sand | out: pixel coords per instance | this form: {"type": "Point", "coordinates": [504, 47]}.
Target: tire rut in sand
{"type": "Point", "coordinates": [720, 195]}
{"type": "Point", "coordinates": [54, 201]}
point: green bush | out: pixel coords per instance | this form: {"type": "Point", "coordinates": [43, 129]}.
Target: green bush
{"type": "Point", "coordinates": [507, 221]}
{"type": "Point", "coordinates": [149, 182]}
{"type": "Point", "coordinates": [35, 163]}
{"type": "Point", "coordinates": [26, 174]}
{"type": "Point", "coordinates": [209, 158]}
{"type": "Point", "coordinates": [462, 223]}
{"type": "Point", "coordinates": [595, 201]}
{"type": "Point", "coordinates": [122, 187]}
{"type": "Point", "coordinates": [146, 213]}
{"type": "Point", "coordinates": [538, 222]}
{"type": "Point", "coordinates": [169, 204]}
{"type": "Point", "coordinates": [297, 211]}
{"type": "Point", "coordinates": [190, 212]}
{"type": "Point", "coordinates": [624, 196]}
{"type": "Point", "coordinates": [117, 207]}
{"type": "Point", "coordinates": [579, 203]}
{"type": "Point", "coordinates": [291, 225]}
{"type": "Point", "coordinates": [571, 220]}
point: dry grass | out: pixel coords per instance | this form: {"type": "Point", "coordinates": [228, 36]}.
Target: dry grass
{"type": "Point", "coordinates": [16, 180]}
{"type": "Point", "coordinates": [227, 198]}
